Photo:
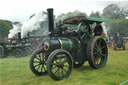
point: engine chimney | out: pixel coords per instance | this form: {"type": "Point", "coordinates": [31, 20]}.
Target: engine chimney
{"type": "Point", "coordinates": [28, 37]}
{"type": "Point", "coordinates": [50, 21]}
{"type": "Point", "coordinates": [19, 35]}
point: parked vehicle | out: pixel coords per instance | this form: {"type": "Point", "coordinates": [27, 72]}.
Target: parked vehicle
{"type": "Point", "coordinates": [118, 41]}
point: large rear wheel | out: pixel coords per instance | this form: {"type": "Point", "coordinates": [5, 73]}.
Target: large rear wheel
{"type": "Point", "coordinates": [38, 63]}
{"type": "Point", "coordinates": [97, 52]}
{"type": "Point", "coordinates": [59, 64]}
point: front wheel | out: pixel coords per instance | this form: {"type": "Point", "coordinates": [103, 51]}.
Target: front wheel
{"type": "Point", "coordinates": [97, 52]}
{"type": "Point", "coordinates": [38, 63]}
{"type": "Point", "coordinates": [59, 64]}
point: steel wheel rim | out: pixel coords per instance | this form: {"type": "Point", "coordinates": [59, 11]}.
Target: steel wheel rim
{"type": "Point", "coordinates": [99, 52]}
{"type": "Point", "coordinates": [61, 65]}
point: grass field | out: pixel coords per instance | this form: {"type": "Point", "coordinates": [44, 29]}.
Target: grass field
{"type": "Point", "coordinates": [15, 71]}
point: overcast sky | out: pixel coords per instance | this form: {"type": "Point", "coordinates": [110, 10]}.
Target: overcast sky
{"type": "Point", "coordinates": [20, 10]}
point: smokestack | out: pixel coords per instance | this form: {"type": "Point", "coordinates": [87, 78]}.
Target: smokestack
{"type": "Point", "coordinates": [28, 37]}
{"type": "Point", "coordinates": [50, 21]}
{"type": "Point", "coordinates": [19, 35]}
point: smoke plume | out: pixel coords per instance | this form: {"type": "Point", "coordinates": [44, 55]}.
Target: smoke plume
{"type": "Point", "coordinates": [28, 26]}
{"type": "Point", "coordinates": [15, 30]}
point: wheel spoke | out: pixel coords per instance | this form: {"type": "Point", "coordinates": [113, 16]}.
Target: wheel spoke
{"type": "Point", "coordinates": [54, 67]}
{"type": "Point", "coordinates": [38, 67]}
{"type": "Point", "coordinates": [99, 59]}
{"type": "Point", "coordinates": [43, 58]}
{"type": "Point", "coordinates": [103, 55]}
{"type": "Point", "coordinates": [56, 71]}
{"type": "Point", "coordinates": [65, 60]}
{"type": "Point", "coordinates": [37, 58]}
{"type": "Point", "coordinates": [66, 66]}
{"type": "Point", "coordinates": [54, 64]}
{"type": "Point", "coordinates": [95, 49]}
{"type": "Point", "coordinates": [42, 68]}
{"type": "Point", "coordinates": [97, 62]}
{"type": "Point", "coordinates": [59, 59]}
{"type": "Point", "coordinates": [64, 69]}
{"type": "Point", "coordinates": [62, 72]}
{"type": "Point", "coordinates": [36, 62]}
{"type": "Point", "coordinates": [102, 61]}
{"type": "Point", "coordinates": [55, 59]}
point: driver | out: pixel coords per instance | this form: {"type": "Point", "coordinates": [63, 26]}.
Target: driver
{"type": "Point", "coordinates": [98, 29]}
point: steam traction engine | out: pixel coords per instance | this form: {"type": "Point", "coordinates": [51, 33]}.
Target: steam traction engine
{"type": "Point", "coordinates": [118, 41]}
{"type": "Point", "coordinates": [15, 47]}
{"type": "Point", "coordinates": [69, 45]}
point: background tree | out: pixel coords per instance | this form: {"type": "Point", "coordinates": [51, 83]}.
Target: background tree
{"type": "Point", "coordinates": [70, 14]}
{"type": "Point", "coordinates": [113, 11]}
{"type": "Point", "coordinates": [118, 25]}
{"type": "Point", "coordinates": [117, 19]}
{"type": "Point", "coordinates": [95, 14]}
{"type": "Point", "coordinates": [5, 26]}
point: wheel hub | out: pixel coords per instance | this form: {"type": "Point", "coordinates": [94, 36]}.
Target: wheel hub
{"type": "Point", "coordinates": [60, 65]}
{"type": "Point", "coordinates": [42, 62]}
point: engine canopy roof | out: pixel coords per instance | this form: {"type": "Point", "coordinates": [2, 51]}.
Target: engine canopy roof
{"type": "Point", "coordinates": [86, 20]}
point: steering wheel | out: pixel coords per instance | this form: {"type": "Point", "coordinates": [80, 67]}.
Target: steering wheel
{"type": "Point", "coordinates": [84, 32]}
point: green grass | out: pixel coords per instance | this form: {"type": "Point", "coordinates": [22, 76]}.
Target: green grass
{"type": "Point", "coordinates": [15, 71]}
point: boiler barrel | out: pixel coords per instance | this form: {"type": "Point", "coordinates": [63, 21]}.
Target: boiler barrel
{"type": "Point", "coordinates": [72, 44]}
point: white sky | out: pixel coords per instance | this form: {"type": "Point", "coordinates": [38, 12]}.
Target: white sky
{"type": "Point", "coordinates": [20, 10]}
